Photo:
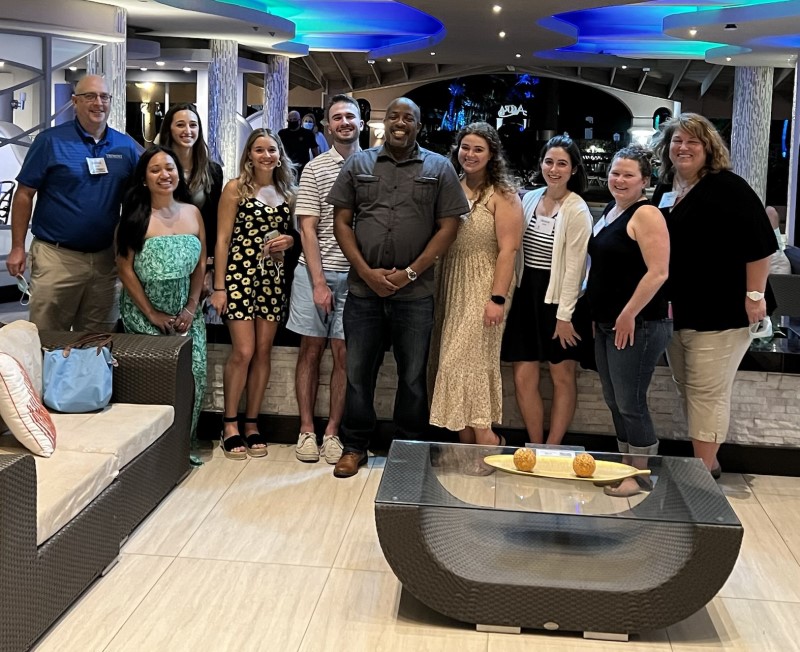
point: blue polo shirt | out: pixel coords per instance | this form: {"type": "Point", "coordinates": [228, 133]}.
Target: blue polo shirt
{"type": "Point", "coordinates": [74, 208]}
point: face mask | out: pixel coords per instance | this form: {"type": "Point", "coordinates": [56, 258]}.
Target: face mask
{"type": "Point", "coordinates": [293, 124]}
{"type": "Point", "coordinates": [308, 125]}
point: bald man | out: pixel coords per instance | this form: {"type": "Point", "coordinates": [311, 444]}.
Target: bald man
{"type": "Point", "coordinates": [298, 141]}
{"type": "Point", "coordinates": [77, 171]}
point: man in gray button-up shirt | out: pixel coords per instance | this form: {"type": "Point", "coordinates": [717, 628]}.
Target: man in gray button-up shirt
{"type": "Point", "coordinates": [396, 209]}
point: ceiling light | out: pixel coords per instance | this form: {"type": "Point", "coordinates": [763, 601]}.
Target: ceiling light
{"type": "Point", "coordinates": [518, 55]}
{"type": "Point", "coordinates": [73, 68]}
{"type": "Point", "coordinates": [624, 67]}
{"type": "Point", "coordinates": [727, 58]}
{"type": "Point", "coordinates": [186, 69]}
{"type": "Point", "coordinates": [2, 63]}
{"type": "Point", "coordinates": [433, 54]}
{"type": "Point", "coordinates": [692, 31]}
{"type": "Point", "coordinates": [730, 26]}
{"type": "Point", "coordinates": [371, 62]}
{"type": "Point", "coordinates": [502, 34]}
{"type": "Point", "coordinates": [497, 9]}
{"type": "Point", "coordinates": [388, 60]}
{"type": "Point", "coordinates": [143, 69]}
{"type": "Point", "coordinates": [144, 85]}
{"type": "Point", "coordinates": [161, 63]}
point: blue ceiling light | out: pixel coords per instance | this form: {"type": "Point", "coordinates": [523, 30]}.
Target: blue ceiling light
{"type": "Point", "coordinates": [351, 26]}
{"type": "Point", "coordinates": [638, 30]}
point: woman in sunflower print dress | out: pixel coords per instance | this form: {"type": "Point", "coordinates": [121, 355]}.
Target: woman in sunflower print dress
{"type": "Point", "coordinates": [161, 256]}
{"type": "Point", "coordinates": [254, 218]}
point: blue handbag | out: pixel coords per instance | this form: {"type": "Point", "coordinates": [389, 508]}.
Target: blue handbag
{"type": "Point", "coordinates": [78, 378]}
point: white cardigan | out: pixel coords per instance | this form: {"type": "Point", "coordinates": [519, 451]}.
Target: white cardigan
{"type": "Point", "coordinates": [570, 240]}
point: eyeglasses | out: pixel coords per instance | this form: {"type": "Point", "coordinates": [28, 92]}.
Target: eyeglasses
{"type": "Point", "coordinates": [22, 286]}
{"type": "Point", "coordinates": [105, 98]}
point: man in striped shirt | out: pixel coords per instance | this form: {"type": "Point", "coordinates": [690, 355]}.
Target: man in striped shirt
{"type": "Point", "coordinates": [319, 288]}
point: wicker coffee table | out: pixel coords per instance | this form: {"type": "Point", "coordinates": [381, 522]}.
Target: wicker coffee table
{"type": "Point", "coordinates": [505, 551]}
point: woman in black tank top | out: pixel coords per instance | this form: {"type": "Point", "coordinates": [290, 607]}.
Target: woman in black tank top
{"type": "Point", "coordinates": [629, 251]}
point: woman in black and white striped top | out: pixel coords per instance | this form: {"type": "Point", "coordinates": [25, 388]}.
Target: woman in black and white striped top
{"type": "Point", "coordinates": [545, 324]}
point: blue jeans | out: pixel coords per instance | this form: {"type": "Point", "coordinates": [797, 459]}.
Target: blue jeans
{"type": "Point", "coordinates": [367, 324]}
{"type": "Point", "coordinates": [625, 375]}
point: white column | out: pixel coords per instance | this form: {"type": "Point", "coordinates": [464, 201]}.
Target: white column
{"type": "Point", "coordinates": [794, 162]}
{"type": "Point", "coordinates": [222, 97]}
{"type": "Point", "coordinates": [276, 92]}
{"type": "Point", "coordinates": [110, 62]}
{"type": "Point", "coordinates": [752, 109]}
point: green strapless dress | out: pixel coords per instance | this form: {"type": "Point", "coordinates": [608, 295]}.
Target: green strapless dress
{"type": "Point", "coordinates": [164, 266]}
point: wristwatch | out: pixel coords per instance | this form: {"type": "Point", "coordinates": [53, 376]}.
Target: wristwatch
{"type": "Point", "coordinates": [755, 295]}
{"type": "Point", "coordinates": [499, 299]}
{"type": "Point", "coordinates": [412, 275]}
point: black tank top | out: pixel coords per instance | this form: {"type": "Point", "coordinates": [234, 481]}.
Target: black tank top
{"type": "Point", "coordinates": [617, 266]}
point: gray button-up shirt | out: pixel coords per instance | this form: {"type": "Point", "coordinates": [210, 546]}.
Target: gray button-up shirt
{"type": "Point", "coordinates": [395, 207]}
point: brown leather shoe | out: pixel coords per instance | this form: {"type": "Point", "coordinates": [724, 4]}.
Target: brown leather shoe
{"type": "Point", "coordinates": [348, 464]}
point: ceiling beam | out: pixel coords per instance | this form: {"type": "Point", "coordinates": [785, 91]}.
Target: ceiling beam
{"type": "Point", "coordinates": [301, 72]}
{"type": "Point", "coordinates": [315, 70]}
{"type": "Point", "coordinates": [676, 79]}
{"type": "Point", "coordinates": [404, 66]}
{"type": "Point", "coordinates": [613, 74]}
{"type": "Point", "coordinates": [376, 72]}
{"type": "Point", "coordinates": [781, 76]}
{"type": "Point", "coordinates": [710, 77]}
{"type": "Point", "coordinates": [342, 66]}
{"type": "Point", "coordinates": [579, 71]}
{"type": "Point", "coordinates": [645, 72]}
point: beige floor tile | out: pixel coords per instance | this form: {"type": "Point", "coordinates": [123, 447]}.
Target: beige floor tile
{"type": "Point", "coordinates": [774, 484]}
{"type": "Point", "coordinates": [574, 642]}
{"type": "Point", "coordinates": [740, 626]}
{"type": "Point", "coordinates": [784, 512]}
{"type": "Point", "coordinates": [279, 512]}
{"type": "Point", "coordinates": [102, 611]}
{"type": "Point", "coordinates": [766, 569]}
{"type": "Point", "coordinates": [360, 549]}
{"type": "Point", "coordinates": [735, 487]}
{"type": "Point", "coordinates": [361, 611]}
{"type": "Point", "coordinates": [171, 525]}
{"type": "Point", "coordinates": [213, 606]}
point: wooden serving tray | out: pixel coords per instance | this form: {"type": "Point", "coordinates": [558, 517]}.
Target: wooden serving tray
{"type": "Point", "coordinates": [561, 468]}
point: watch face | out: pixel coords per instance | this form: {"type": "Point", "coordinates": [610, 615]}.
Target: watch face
{"type": "Point", "coordinates": [412, 275]}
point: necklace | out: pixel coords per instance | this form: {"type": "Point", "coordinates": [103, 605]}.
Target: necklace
{"type": "Point", "coordinates": [681, 188]}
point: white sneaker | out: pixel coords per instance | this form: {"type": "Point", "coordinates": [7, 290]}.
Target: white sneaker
{"type": "Point", "coordinates": [331, 449]}
{"type": "Point", "coordinates": [306, 449]}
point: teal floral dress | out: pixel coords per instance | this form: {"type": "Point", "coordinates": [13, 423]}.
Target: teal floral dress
{"type": "Point", "coordinates": [164, 266]}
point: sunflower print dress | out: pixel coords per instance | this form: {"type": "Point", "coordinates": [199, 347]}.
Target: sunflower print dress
{"type": "Point", "coordinates": [256, 285]}
{"type": "Point", "coordinates": [164, 267]}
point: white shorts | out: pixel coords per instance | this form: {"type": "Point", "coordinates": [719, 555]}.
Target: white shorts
{"type": "Point", "coordinates": [305, 318]}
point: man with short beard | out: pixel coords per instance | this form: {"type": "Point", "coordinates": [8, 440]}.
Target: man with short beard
{"type": "Point", "coordinates": [396, 209]}
{"type": "Point", "coordinates": [319, 288]}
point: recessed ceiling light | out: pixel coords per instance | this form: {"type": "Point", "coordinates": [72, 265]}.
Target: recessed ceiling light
{"type": "Point", "coordinates": [502, 34]}
{"type": "Point", "coordinates": [624, 67]}
{"type": "Point", "coordinates": [388, 60]}
{"type": "Point", "coordinates": [433, 54]}
{"type": "Point", "coordinates": [518, 55]}
{"type": "Point", "coordinates": [143, 69]}
{"type": "Point", "coordinates": [692, 31]}
{"type": "Point", "coordinates": [161, 63]}
{"type": "Point", "coordinates": [727, 58]}
{"type": "Point", "coordinates": [73, 68]}
{"type": "Point", "coordinates": [186, 69]}
{"type": "Point", "coordinates": [371, 62]}
{"type": "Point", "coordinates": [497, 9]}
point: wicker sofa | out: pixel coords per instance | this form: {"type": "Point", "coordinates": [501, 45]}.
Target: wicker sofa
{"type": "Point", "coordinates": [40, 580]}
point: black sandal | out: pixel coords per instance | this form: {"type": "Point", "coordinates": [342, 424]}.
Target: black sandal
{"type": "Point", "coordinates": [227, 444]}
{"type": "Point", "coordinates": [255, 439]}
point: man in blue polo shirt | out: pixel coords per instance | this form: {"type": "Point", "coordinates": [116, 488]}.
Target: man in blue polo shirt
{"type": "Point", "coordinates": [77, 171]}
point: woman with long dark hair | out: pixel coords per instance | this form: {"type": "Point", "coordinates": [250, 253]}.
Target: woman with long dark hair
{"type": "Point", "coordinates": [161, 260]}
{"type": "Point", "coordinates": [255, 216]}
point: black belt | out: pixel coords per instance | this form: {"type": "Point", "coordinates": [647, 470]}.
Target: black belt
{"type": "Point", "coordinates": [59, 245]}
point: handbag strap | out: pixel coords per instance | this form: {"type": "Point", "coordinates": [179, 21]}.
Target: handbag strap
{"type": "Point", "coordinates": [98, 340]}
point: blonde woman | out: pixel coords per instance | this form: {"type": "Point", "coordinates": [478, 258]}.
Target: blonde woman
{"type": "Point", "coordinates": [255, 215]}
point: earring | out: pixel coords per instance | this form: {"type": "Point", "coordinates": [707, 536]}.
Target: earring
{"type": "Point", "coordinates": [249, 165]}
{"type": "Point", "coordinates": [279, 164]}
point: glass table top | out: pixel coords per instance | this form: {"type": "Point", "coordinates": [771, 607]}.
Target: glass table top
{"type": "Point", "coordinates": [457, 476]}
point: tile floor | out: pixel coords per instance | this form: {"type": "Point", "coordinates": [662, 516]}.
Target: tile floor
{"type": "Point", "coordinates": [277, 555]}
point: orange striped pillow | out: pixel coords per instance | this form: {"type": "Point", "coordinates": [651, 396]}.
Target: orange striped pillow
{"type": "Point", "coordinates": [21, 409]}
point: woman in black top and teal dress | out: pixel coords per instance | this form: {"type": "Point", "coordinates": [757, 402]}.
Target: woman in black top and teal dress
{"type": "Point", "coordinates": [721, 243]}
{"type": "Point", "coordinates": [255, 216]}
{"type": "Point", "coordinates": [629, 254]}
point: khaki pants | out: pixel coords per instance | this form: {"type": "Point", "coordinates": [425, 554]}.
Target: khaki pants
{"type": "Point", "coordinates": [73, 290]}
{"type": "Point", "coordinates": [704, 365]}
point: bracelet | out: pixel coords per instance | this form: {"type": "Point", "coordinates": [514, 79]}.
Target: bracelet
{"type": "Point", "coordinates": [185, 309]}
{"type": "Point", "coordinates": [220, 290]}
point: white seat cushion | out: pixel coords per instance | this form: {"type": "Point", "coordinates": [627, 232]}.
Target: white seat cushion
{"type": "Point", "coordinates": [121, 429]}
{"type": "Point", "coordinates": [66, 483]}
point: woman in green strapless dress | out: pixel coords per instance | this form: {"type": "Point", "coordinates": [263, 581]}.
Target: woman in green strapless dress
{"type": "Point", "coordinates": [161, 259]}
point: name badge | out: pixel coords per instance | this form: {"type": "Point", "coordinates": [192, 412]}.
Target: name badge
{"type": "Point", "coordinates": [601, 224]}
{"type": "Point", "coordinates": [544, 225]}
{"type": "Point", "coordinates": [97, 165]}
{"type": "Point", "coordinates": [668, 199]}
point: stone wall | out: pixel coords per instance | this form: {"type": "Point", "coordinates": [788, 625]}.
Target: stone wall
{"type": "Point", "coordinates": [765, 412]}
